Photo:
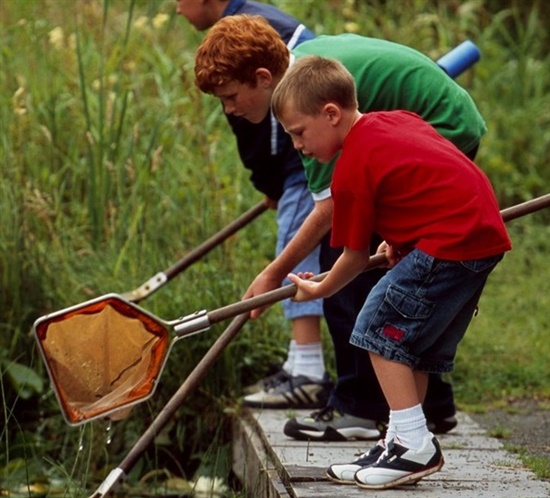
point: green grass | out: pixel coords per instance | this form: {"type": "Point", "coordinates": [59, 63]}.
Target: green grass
{"type": "Point", "coordinates": [500, 432]}
{"type": "Point", "coordinates": [505, 352]}
{"type": "Point", "coordinates": [538, 464]}
{"type": "Point", "coordinates": [113, 166]}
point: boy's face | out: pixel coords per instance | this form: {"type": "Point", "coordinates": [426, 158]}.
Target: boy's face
{"type": "Point", "coordinates": [314, 136]}
{"type": "Point", "coordinates": [246, 101]}
{"type": "Point", "coordinates": [197, 12]}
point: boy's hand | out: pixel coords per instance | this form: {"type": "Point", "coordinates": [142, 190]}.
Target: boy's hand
{"type": "Point", "coordinates": [392, 255]}
{"type": "Point", "coordinates": [307, 290]}
{"type": "Point", "coordinates": [270, 203]}
{"type": "Point", "coordinates": [261, 284]}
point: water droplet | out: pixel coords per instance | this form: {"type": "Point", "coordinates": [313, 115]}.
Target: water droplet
{"type": "Point", "coordinates": [81, 439]}
{"type": "Point", "coordinates": [109, 437]}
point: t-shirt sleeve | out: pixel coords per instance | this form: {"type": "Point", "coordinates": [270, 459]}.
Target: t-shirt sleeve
{"type": "Point", "coordinates": [319, 175]}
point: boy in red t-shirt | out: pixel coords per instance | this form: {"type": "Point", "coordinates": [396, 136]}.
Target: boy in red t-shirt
{"type": "Point", "coordinates": [443, 235]}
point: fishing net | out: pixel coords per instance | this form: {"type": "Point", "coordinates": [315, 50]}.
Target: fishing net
{"type": "Point", "coordinates": [102, 357]}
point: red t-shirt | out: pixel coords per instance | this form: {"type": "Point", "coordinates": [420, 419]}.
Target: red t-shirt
{"type": "Point", "coordinates": [397, 177]}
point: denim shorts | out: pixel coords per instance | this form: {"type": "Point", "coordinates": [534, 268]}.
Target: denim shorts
{"type": "Point", "coordinates": [419, 311]}
{"type": "Point", "coordinates": [292, 209]}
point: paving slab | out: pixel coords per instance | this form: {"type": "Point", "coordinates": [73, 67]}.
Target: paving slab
{"type": "Point", "coordinates": [272, 465]}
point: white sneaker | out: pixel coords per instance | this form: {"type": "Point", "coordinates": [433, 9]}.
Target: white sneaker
{"type": "Point", "coordinates": [343, 473]}
{"type": "Point", "coordinates": [399, 465]}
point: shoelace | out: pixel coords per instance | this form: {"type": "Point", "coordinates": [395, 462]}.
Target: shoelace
{"type": "Point", "coordinates": [387, 452]}
{"type": "Point", "coordinates": [373, 450]}
{"type": "Point", "coordinates": [326, 414]}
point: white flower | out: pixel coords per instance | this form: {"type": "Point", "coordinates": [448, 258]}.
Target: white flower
{"type": "Point", "coordinates": [209, 487]}
{"type": "Point", "coordinates": [57, 38]}
{"type": "Point", "coordinates": [141, 23]}
{"type": "Point", "coordinates": [160, 20]}
{"type": "Point", "coordinates": [18, 100]}
{"type": "Point", "coordinates": [351, 27]}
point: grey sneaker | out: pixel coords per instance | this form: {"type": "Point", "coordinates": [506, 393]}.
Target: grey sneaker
{"type": "Point", "coordinates": [330, 424]}
{"type": "Point", "coordinates": [343, 473]}
{"type": "Point", "coordinates": [298, 392]}
{"type": "Point", "coordinates": [399, 465]}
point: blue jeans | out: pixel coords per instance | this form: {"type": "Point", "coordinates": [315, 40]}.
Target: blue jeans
{"type": "Point", "coordinates": [356, 391]}
{"type": "Point", "coordinates": [292, 209]}
{"type": "Point", "coordinates": [420, 310]}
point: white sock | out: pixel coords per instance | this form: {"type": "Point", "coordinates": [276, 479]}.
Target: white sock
{"type": "Point", "coordinates": [288, 365]}
{"type": "Point", "coordinates": [309, 361]}
{"type": "Point", "coordinates": [410, 426]}
{"type": "Point", "coordinates": [390, 432]}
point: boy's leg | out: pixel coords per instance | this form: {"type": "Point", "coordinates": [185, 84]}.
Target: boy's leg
{"type": "Point", "coordinates": [354, 412]}
{"type": "Point", "coordinates": [304, 382]}
{"type": "Point", "coordinates": [409, 391]}
{"type": "Point", "coordinates": [412, 452]}
{"type": "Point", "coordinates": [308, 351]}
{"type": "Point", "coordinates": [405, 397]}
{"type": "Point", "coordinates": [414, 319]}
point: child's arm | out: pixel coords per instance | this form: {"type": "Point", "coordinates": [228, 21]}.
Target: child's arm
{"type": "Point", "coordinates": [313, 229]}
{"type": "Point", "coordinates": [350, 264]}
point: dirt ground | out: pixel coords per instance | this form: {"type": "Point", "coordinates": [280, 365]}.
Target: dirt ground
{"type": "Point", "coordinates": [524, 423]}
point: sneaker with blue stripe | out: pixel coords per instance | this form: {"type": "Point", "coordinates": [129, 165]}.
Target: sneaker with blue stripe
{"type": "Point", "coordinates": [344, 473]}
{"type": "Point", "coordinates": [399, 465]}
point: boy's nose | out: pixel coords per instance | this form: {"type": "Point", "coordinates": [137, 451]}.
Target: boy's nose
{"type": "Point", "coordinates": [228, 108]}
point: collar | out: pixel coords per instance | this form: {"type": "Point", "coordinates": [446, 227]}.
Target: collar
{"type": "Point", "coordinates": [233, 7]}
{"type": "Point", "coordinates": [291, 59]}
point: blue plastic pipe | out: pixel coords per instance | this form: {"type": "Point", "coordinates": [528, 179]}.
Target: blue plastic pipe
{"type": "Point", "coordinates": [459, 58]}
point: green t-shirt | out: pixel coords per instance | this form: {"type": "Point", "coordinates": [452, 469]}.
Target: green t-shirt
{"type": "Point", "coordinates": [390, 76]}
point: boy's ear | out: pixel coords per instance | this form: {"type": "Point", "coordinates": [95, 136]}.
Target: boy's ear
{"type": "Point", "coordinates": [264, 78]}
{"type": "Point", "coordinates": [332, 112]}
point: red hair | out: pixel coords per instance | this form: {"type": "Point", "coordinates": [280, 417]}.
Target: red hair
{"type": "Point", "coordinates": [234, 48]}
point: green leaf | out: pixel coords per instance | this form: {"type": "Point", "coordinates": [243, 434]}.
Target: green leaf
{"type": "Point", "coordinates": [24, 379]}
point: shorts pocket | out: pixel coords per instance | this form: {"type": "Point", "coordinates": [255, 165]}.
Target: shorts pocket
{"type": "Point", "coordinates": [481, 265]}
{"type": "Point", "coordinates": [403, 316]}
{"type": "Point", "coordinates": [409, 306]}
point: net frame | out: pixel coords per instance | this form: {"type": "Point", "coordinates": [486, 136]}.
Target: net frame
{"type": "Point", "coordinates": [117, 383]}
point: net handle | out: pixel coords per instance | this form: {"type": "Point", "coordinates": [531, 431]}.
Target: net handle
{"type": "Point", "coordinates": [163, 277]}
{"type": "Point", "coordinates": [376, 261]}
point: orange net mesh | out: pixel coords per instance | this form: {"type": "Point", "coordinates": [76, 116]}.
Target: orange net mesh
{"type": "Point", "coordinates": [103, 357]}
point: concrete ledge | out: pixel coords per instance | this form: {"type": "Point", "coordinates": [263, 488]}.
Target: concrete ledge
{"type": "Point", "coordinates": [270, 465]}
{"type": "Point", "coordinates": [254, 462]}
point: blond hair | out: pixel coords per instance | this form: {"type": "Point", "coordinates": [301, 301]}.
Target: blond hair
{"type": "Point", "coordinates": [312, 82]}
{"type": "Point", "coordinates": [234, 48]}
